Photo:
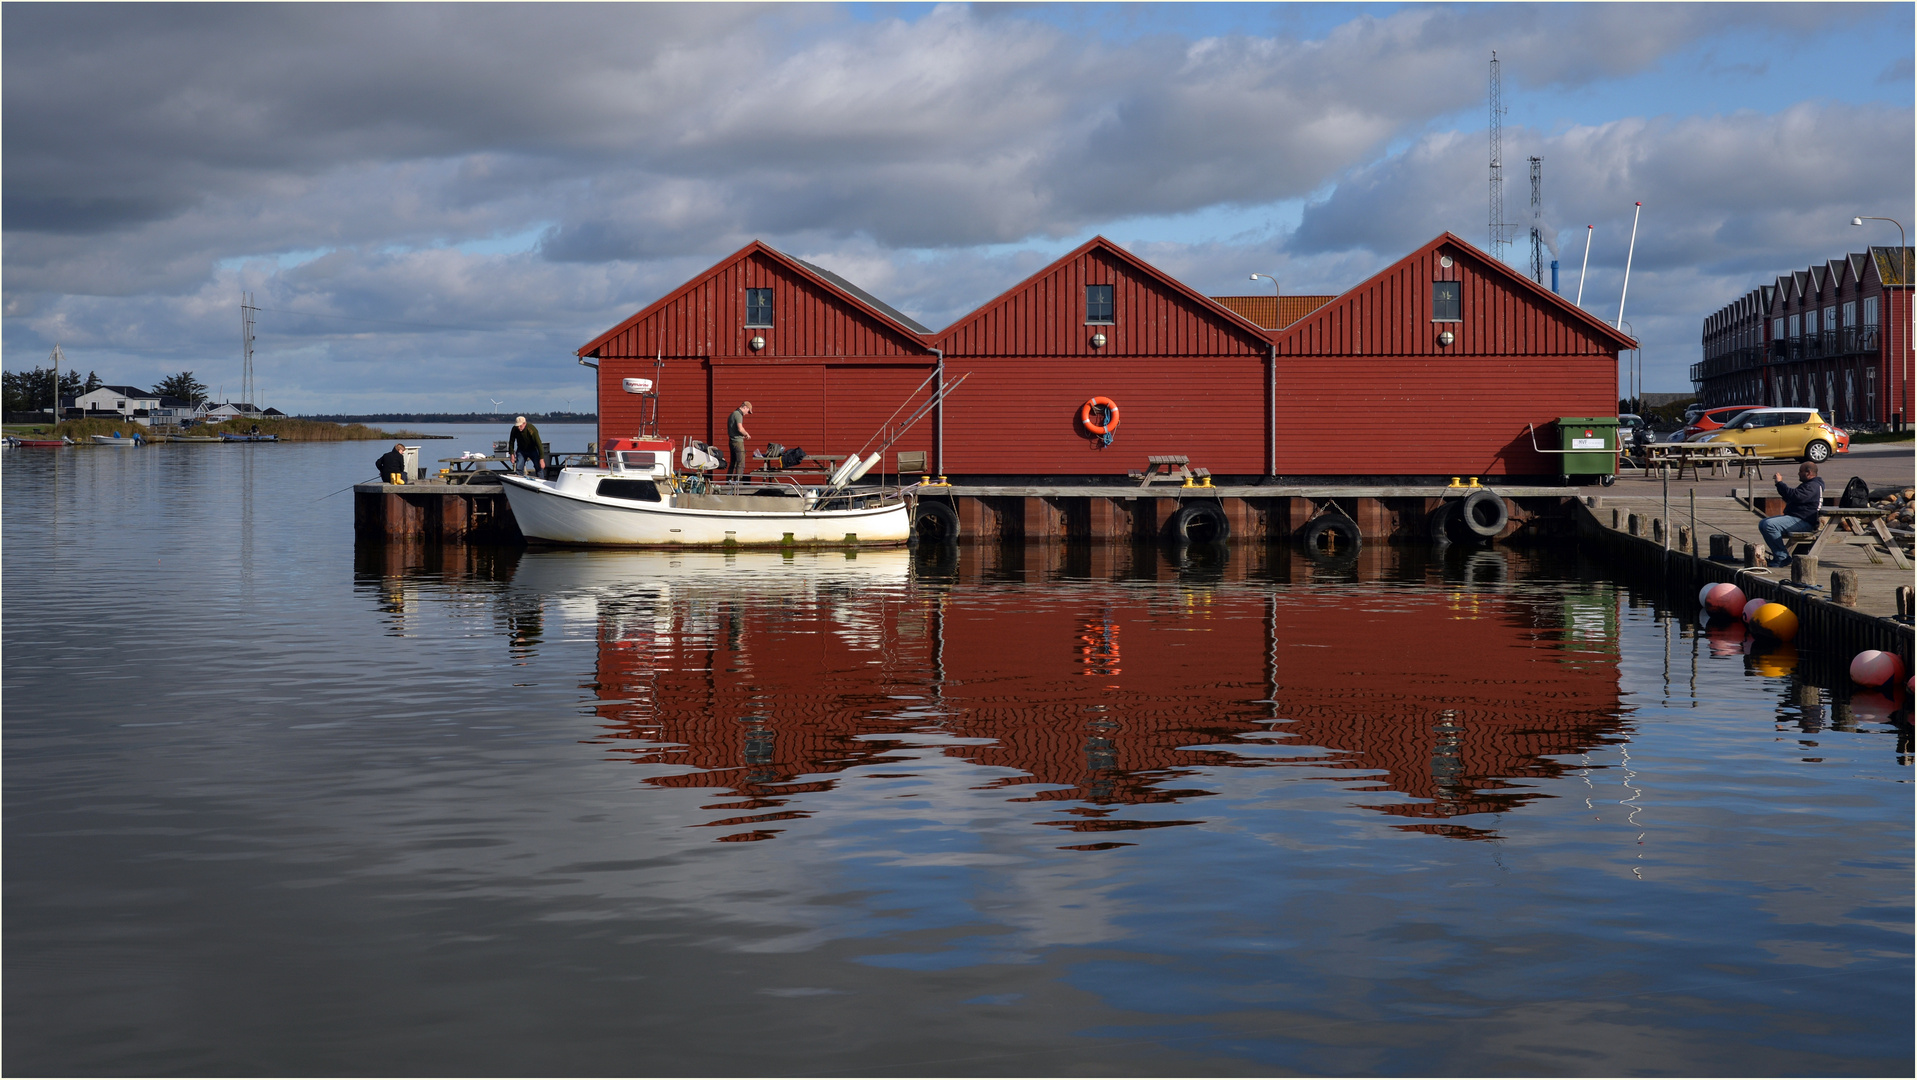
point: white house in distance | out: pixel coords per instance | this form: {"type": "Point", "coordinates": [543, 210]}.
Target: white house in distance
{"type": "Point", "coordinates": [129, 401]}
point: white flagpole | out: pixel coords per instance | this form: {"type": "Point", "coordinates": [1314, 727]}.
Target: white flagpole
{"type": "Point", "coordinates": [1627, 268]}
{"type": "Point", "coordinates": [1588, 229]}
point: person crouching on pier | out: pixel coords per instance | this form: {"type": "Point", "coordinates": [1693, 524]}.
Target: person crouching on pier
{"type": "Point", "coordinates": [392, 465]}
{"type": "Point", "coordinates": [1801, 507]}
{"type": "Point", "coordinates": [528, 453]}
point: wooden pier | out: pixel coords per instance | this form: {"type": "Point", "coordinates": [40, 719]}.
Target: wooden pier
{"type": "Point", "coordinates": [478, 513]}
{"type": "Point", "coordinates": [1648, 535]}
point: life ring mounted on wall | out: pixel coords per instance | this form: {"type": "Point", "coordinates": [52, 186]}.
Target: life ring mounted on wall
{"type": "Point", "coordinates": [1099, 415]}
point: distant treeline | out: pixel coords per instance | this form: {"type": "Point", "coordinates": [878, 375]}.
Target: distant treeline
{"type": "Point", "coordinates": [458, 418]}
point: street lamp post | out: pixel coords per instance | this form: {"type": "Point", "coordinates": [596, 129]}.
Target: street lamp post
{"type": "Point", "coordinates": [1910, 342]}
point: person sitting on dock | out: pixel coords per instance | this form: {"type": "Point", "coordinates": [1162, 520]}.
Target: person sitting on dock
{"type": "Point", "coordinates": [392, 465]}
{"type": "Point", "coordinates": [1801, 505]}
{"type": "Point", "coordinates": [528, 453]}
{"type": "Point", "coordinates": [737, 435]}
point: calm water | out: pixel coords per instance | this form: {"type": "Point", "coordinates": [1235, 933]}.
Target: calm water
{"type": "Point", "coordinates": [277, 806]}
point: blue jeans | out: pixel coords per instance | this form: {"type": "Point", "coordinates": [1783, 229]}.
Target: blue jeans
{"type": "Point", "coordinates": [1774, 528]}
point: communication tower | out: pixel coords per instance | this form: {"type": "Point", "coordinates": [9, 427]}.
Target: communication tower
{"type": "Point", "coordinates": [1537, 220]}
{"type": "Point", "coordinates": [1500, 230]}
{"type": "Point", "coordinates": [247, 312]}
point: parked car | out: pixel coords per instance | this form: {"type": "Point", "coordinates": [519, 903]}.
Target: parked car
{"type": "Point", "coordinates": [1703, 421]}
{"type": "Point", "coordinates": [1784, 433]}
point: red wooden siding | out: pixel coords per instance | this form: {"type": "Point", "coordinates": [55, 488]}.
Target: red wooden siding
{"type": "Point", "coordinates": [1152, 315]}
{"type": "Point", "coordinates": [1401, 416]}
{"type": "Point", "coordinates": [1503, 315]}
{"type": "Point", "coordinates": [1018, 414]}
{"type": "Point", "coordinates": [706, 317]}
{"type": "Point", "coordinates": [1363, 386]}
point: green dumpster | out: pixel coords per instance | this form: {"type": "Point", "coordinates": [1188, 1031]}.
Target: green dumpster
{"type": "Point", "coordinates": [1590, 443]}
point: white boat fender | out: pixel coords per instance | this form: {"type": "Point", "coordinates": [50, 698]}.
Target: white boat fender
{"type": "Point", "coordinates": [864, 467]}
{"type": "Point", "coordinates": [839, 475]}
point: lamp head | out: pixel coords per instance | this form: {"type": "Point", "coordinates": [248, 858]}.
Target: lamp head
{"type": "Point", "coordinates": [1254, 277]}
{"type": "Point", "coordinates": [1856, 221]}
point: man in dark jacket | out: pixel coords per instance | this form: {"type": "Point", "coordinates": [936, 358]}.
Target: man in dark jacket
{"type": "Point", "coordinates": [1801, 506]}
{"type": "Point", "coordinates": [522, 442]}
{"type": "Point", "coordinates": [392, 464]}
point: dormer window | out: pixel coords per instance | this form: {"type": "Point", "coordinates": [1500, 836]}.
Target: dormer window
{"type": "Point", "coordinates": [759, 307]}
{"type": "Point", "coordinates": [1098, 304]}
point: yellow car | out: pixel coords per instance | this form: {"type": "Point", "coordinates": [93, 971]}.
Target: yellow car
{"type": "Point", "coordinates": [1783, 433]}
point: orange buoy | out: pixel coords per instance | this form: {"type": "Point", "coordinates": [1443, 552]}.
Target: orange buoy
{"type": "Point", "coordinates": [1092, 423]}
{"type": "Point", "coordinates": [1752, 605]}
{"type": "Point", "coordinates": [1724, 597]}
{"type": "Point", "coordinates": [1775, 621]}
{"type": "Point", "coordinates": [1873, 667]}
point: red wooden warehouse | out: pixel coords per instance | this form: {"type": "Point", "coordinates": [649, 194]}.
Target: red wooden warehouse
{"type": "Point", "coordinates": [1435, 366]}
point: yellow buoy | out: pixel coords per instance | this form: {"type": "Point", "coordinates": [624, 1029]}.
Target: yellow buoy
{"type": "Point", "coordinates": [1775, 621]}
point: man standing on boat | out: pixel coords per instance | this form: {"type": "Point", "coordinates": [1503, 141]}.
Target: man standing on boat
{"type": "Point", "coordinates": [526, 449]}
{"type": "Point", "coordinates": [737, 434]}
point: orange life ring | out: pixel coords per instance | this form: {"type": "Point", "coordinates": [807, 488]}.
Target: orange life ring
{"type": "Point", "coordinates": [1111, 409]}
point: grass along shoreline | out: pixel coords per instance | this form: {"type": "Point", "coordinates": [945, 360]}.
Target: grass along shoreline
{"type": "Point", "coordinates": [288, 429]}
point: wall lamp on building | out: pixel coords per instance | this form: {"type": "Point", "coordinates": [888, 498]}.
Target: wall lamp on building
{"type": "Point", "coordinates": [1098, 341]}
{"type": "Point", "coordinates": [757, 342]}
{"type": "Point", "coordinates": [1446, 338]}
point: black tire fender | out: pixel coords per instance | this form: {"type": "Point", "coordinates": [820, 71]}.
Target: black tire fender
{"type": "Point", "coordinates": [1331, 536]}
{"type": "Point", "coordinates": [1484, 513]}
{"type": "Point", "coordinates": [935, 521]}
{"type": "Point", "coordinates": [1199, 523]}
{"type": "Point", "coordinates": [1439, 521]}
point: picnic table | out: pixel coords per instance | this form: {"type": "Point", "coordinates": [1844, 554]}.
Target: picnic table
{"type": "Point", "coordinates": [467, 470]}
{"type": "Point", "coordinates": [819, 463]}
{"type": "Point", "coordinates": [1168, 467]}
{"type": "Point", "coordinates": [1694, 456]}
{"type": "Point", "coordinates": [1864, 525]}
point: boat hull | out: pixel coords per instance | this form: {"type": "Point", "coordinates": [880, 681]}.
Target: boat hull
{"type": "Point", "coordinates": [549, 512]}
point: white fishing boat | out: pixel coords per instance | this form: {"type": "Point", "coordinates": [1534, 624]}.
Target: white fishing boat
{"type": "Point", "coordinates": [637, 499]}
{"type": "Point", "coordinates": [117, 439]}
{"type": "Point", "coordinates": [649, 491]}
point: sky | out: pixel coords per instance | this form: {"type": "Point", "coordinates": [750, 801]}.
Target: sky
{"type": "Point", "coordinates": [434, 206]}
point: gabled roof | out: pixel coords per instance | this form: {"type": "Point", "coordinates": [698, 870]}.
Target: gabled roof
{"type": "Point", "coordinates": [1893, 264]}
{"type": "Point", "coordinates": [1491, 265]}
{"type": "Point", "coordinates": [1140, 266]}
{"type": "Point", "coordinates": [866, 298]}
{"type": "Point", "coordinates": [859, 298]}
{"type": "Point", "coordinates": [123, 391]}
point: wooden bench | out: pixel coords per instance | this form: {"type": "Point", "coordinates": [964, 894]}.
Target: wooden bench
{"type": "Point", "coordinates": [1858, 521]}
{"type": "Point", "coordinates": [1694, 456]}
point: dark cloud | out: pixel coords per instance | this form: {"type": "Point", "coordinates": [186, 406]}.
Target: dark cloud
{"type": "Point", "coordinates": [158, 158]}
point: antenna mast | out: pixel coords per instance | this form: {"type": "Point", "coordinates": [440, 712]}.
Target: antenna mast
{"type": "Point", "coordinates": [1537, 220]}
{"type": "Point", "coordinates": [1500, 231]}
{"type": "Point", "coordinates": [247, 311]}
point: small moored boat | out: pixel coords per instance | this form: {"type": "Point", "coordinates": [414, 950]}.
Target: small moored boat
{"type": "Point", "coordinates": [638, 499]}
{"type": "Point", "coordinates": [15, 440]}
{"type": "Point", "coordinates": [638, 495]}
{"type": "Point", "coordinates": [117, 439]}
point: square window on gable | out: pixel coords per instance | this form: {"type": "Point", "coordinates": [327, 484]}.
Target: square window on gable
{"type": "Point", "coordinates": [1098, 303]}
{"type": "Point", "coordinates": [758, 307]}
{"type": "Point", "coordinates": [1447, 301]}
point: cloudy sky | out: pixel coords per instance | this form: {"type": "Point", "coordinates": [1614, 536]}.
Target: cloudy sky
{"type": "Point", "coordinates": [435, 205]}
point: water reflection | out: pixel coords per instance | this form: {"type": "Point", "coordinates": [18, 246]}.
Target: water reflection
{"type": "Point", "coordinates": [1088, 679]}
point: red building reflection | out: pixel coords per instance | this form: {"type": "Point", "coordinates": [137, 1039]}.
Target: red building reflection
{"type": "Point", "coordinates": [1451, 695]}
